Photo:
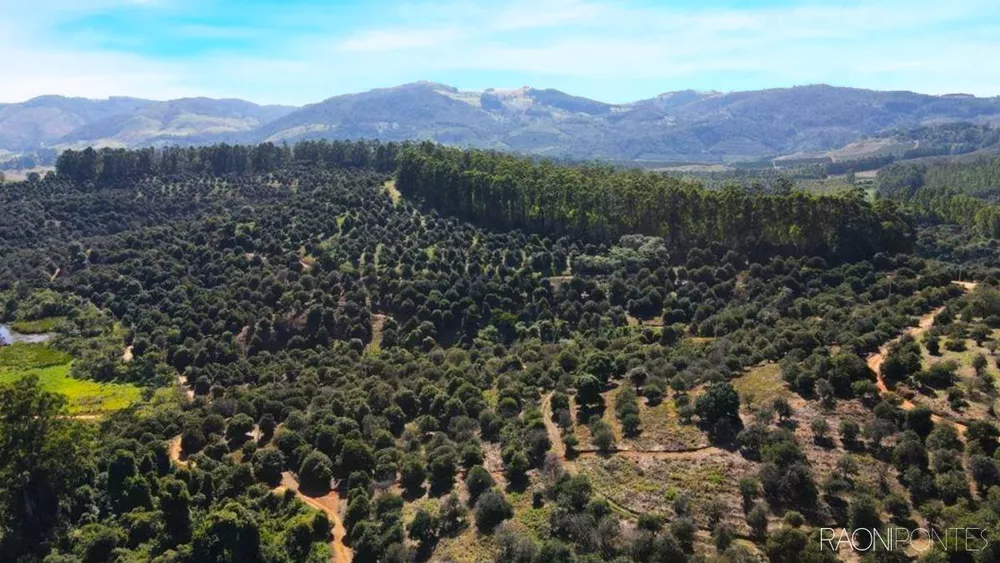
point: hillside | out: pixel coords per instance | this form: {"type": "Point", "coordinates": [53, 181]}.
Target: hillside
{"type": "Point", "coordinates": [45, 120]}
{"type": "Point", "coordinates": [684, 126]}
{"type": "Point", "coordinates": [190, 120]}
{"type": "Point", "coordinates": [352, 351]}
{"type": "Point", "coordinates": [678, 126]}
{"type": "Point", "coordinates": [56, 121]}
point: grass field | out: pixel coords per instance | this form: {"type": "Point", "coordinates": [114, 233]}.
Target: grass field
{"type": "Point", "coordinates": [650, 485]}
{"type": "Point", "coordinates": [662, 429]}
{"type": "Point", "coordinates": [762, 383]}
{"type": "Point", "coordinates": [52, 368]}
{"type": "Point", "coordinates": [979, 403]}
{"type": "Point", "coordinates": [390, 188]}
{"type": "Point", "coordinates": [38, 326]}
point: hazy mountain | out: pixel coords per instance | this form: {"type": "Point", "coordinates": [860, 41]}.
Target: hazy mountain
{"type": "Point", "coordinates": [189, 120]}
{"type": "Point", "coordinates": [58, 121]}
{"type": "Point", "coordinates": [676, 126]}
{"type": "Point", "coordinates": [411, 111]}
{"type": "Point", "coordinates": [45, 120]}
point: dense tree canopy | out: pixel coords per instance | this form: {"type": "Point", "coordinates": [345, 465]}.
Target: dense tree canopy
{"type": "Point", "coordinates": [500, 364]}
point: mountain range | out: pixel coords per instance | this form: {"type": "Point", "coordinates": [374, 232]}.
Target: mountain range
{"type": "Point", "coordinates": [683, 126]}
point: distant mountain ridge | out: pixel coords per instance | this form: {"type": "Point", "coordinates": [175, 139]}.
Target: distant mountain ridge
{"type": "Point", "coordinates": [682, 126]}
{"type": "Point", "coordinates": [56, 121]}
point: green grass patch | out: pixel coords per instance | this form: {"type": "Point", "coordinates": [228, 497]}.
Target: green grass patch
{"type": "Point", "coordinates": [696, 342]}
{"type": "Point", "coordinates": [469, 546]}
{"type": "Point", "coordinates": [491, 396]}
{"type": "Point", "coordinates": [37, 326]}
{"type": "Point", "coordinates": [762, 383]}
{"type": "Point", "coordinates": [534, 520]}
{"type": "Point", "coordinates": [23, 357]}
{"type": "Point", "coordinates": [52, 368]}
{"type": "Point", "coordinates": [715, 478]}
{"type": "Point", "coordinates": [661, 426]}
{"type": "Point", "coordinates": [394, 195]}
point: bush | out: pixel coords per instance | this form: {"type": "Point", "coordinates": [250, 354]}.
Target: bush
{"type": "Point", "coordinates": [820, 427]}
{"type": "Point", "coordinates": [239, 426]}
{"type": "Point", "coordinates": [757, 520]}
{"type": "Point", "coordinates": [794, 519]}
{"type": "Point", "coordinates": [723, 536]}
{"type": "Point", "coordinates": [849, 431]}
{"type": "Point", "coordinates": [491, 509]}
{"type": "Point", "coordinates": [601, 435]}
{"type": "Point", "coordinates": [413, 475]}
{"type": "Point", "coordinates": [192, 441]}
{"type": "Point", "coordinates": [424, 527]}
{"type": "Point", "coordinates": [478, 481]}
{"type": "Point", "coordinates": [316, 472]}
{"type": "Point", "coordinates": [267, 466]}
{"type": "Point", "coordinates": [953, 345]}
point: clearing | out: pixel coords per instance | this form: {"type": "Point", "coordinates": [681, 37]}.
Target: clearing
{"type": "Point", "coordinates": [38, 326]}
{"type": "Point", "coordinates": [761, 383]}
{"type": "Point", "coordinates": [52, 367]}
{"type": "Point", "coordinates": [394, 195]}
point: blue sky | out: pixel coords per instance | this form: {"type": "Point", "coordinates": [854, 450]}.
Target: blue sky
{"type": "Point", "coordinates": [302, 51]}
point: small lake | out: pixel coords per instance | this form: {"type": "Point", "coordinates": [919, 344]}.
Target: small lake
{"type": "Point", "coordinates": [10, 336]}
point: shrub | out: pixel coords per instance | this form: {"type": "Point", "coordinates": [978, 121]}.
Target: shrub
{"type": "Point", "coordinates": [491, 509]}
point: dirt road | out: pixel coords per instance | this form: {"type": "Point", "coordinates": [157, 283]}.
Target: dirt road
{"type": "Point", "coordinates": [875, 360]}
{"type": "Point", "coordinates": [328, 503]}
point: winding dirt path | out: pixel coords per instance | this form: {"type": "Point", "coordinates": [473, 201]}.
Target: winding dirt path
{"type": "Point", "coordinates": [629, 453]}
{"type": "Point", "coordinates": [926, 322]}
{"type": "Point", "coordinates": [328, 503]}
{"type": "Point", "coordinates": [174, 451]}
{"type": "Point", "coordinates": [555, 437]}
{"type": "Point", "coordinates": [182, 380]}
{"type": "Point", "coordinates": [967, 286]}
{"type": "Point", "coordinates": [84, 417]}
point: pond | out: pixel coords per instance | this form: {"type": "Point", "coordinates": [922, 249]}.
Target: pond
{"type": "Point", "coordinates": [10, 336]}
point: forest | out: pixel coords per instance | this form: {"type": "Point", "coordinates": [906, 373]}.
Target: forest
{"type": "Point", "coordinates": [963, 191]}
{"type": "Point", "coordinates": [357, 351]}
{"type": "Point", "coordinates": [595, 203]}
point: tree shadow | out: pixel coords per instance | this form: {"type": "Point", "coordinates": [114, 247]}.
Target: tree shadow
{"type": "Point", "coordinates": [839, 509]}
{"type": "Point", "coordinates": [315, 492]}
{"type": "Point", "coordinates": [586, 412]}
{"type": "Point", "coordinates": [854, 446]}
{"type": "Point", "coordinates": [517, 485]}
{"type": "Point", "coordinates": [441, 489]}
{"type": "Point", "coordinates": [788, 424]}
{"type": "Point", "coordinates": [411, 495]}
{"type": "Point", "coordinates": [825, 442]}
{"type": "Point", "coordinates": [425, 550]}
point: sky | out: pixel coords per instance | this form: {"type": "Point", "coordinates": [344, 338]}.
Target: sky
{"type": "Point", "coordinates": [304, 51]}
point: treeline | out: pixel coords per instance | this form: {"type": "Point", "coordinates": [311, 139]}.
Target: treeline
{"type": "Point", "coordinates": [960, 192]}
{"type": "Point", "coordinates": [600, 203]}
{"type": "Point", "coordinates": [859, 164]}
{"type": "Point", "coordinates": [958, 137]}
{"type": "Point", "coordinates": [109, 167]}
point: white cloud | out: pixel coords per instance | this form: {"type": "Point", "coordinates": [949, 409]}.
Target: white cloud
{"type": "Point", "coordinates": [399, 39]}
{"type": "Point", "coordinates": [605, 45]}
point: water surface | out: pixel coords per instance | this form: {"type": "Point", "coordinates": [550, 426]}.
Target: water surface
{"type": "Point", "coordinates": [10, 336]}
